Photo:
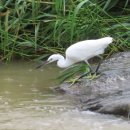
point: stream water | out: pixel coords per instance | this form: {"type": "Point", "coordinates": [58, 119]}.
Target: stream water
{"type": "Point", "coordinates": [28, 103]}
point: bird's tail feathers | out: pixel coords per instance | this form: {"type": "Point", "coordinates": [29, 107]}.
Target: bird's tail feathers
{"type": "Point", "coordinates": [106, 40]}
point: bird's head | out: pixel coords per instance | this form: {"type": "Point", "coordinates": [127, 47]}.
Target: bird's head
{"type": "Point", "coordinates": [52, 58]}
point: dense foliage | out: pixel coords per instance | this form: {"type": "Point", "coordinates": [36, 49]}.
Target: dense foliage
{"type": "Point", "coordinates": [36, 28]}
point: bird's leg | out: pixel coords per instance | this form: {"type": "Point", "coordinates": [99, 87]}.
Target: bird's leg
{"type": "Point", "coordinates": [96, 71]}
{"type": "Point", "coordinates": [89, 66]}
{"type": "Point", "coordinates": [90, 71]}
{"type": "Point", "coordinates": [85, 74]}
{"type": "Point", "coordinates": [81, 76]}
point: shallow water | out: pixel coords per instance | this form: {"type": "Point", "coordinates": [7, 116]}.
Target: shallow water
{"type": "Point", "coordinates": [28, 103]}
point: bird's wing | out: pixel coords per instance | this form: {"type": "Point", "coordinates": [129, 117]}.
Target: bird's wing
{"type": "Point", "coordinates": [78, 50]}
{"type": "Point", "coordinates": [84, 50]}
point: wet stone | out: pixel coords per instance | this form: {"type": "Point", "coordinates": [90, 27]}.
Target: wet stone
{"type": "Point", "coordinates": [110, 92]}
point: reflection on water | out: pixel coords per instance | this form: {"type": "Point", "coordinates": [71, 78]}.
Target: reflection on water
{"type": "Point", "coordinates": [27, 103]}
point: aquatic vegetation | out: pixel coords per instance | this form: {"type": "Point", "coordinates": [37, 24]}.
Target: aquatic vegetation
{"type": "Point", "coordinates": [35, 28]}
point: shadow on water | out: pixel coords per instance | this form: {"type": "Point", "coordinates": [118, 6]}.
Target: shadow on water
{"type": "Point", "coordinates": [27, 103]}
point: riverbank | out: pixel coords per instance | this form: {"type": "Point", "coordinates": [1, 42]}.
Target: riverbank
{"type": "Point", "coordinates": [110, 92]}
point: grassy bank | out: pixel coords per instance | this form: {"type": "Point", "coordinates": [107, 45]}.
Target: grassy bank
{"type": "Point", "coordinates": [35, 28]}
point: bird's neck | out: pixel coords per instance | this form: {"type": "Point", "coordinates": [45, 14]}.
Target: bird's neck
{"type": "Point", "coordinates": [64, 63]}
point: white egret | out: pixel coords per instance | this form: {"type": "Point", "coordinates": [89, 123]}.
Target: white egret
{"type": "Point", "coordinates": [80, 51]}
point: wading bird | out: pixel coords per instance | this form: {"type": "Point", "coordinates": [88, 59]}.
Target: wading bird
{"type": "Point", "coordinates": [80, 51]}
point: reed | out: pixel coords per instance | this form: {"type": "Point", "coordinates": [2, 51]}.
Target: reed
{"type": "Point", "coordinates": [33, 29]}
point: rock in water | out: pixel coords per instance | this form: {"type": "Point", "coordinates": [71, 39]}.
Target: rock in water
{"type": "Point", "coordinates": [109, 93]}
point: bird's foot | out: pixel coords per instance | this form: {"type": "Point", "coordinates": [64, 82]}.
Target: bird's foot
{"type": "Point", "coordinates": [73, 81]}
{"type": "Point", "coordinates": [92, 76]}
{"type": "Point", "coordinates": [89, 76]}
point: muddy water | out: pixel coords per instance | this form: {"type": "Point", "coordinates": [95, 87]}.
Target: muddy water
{"type": "Point", "coordinates": [28, 103]}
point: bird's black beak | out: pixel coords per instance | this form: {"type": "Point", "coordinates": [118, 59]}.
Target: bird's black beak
{"type": "Point", "coordinates": [44, 63]}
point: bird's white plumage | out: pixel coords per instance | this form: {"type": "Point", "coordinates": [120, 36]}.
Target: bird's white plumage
{"type": "Point", "coordinates": [87, 49]}
{"type": "Point", "coordinates": [81, 51]}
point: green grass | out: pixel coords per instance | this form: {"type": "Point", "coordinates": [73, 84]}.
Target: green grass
{"type": "Point", "coordinates": [33, 29]}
